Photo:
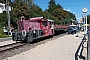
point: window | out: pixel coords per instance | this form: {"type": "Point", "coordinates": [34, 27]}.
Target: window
{"type": "Point", "coordinates": [44, 23]}
{"type": "Point", "coordinates": [65, 22]}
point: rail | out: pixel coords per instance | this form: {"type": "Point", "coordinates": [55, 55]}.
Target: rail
{"type": "Point", "coordinates": [10, 47]}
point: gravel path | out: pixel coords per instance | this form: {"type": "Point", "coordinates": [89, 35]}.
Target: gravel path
{"type": "Point", "coordinates": [62, 48]}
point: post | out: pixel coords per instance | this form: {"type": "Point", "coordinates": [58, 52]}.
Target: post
{"type": "Point", "coordinates": [86, 24]}
{"type": "Point", "coordinates": [84, 10]}
{"type": "Point", "coordinates": [8, 14]}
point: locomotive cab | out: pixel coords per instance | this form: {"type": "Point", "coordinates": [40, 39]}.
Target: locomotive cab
{"type": "Point", "coordinates": [51, 22]}
{"type": "Point", "coordinates": [44, 26]}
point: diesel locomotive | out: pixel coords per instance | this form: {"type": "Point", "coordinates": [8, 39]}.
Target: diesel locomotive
{"type": "Point", "coordinates": [34, 28]}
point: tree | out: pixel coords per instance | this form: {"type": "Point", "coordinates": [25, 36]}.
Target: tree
{"type": "Point", "coordinates": [52, 3]}
{"type": "Point", "coordinates": [71, 15]}
{"type": "Point", "coordinates": [3, 19]}
{"type": "Point", "coordinates": [58, 11]}
{"type": "Point", "coordinates": [59, 6]}
{"type": "Point", "coordinates": [51, 6]}
{"type": "Point", "coordinates": [30, 2]}
{"type": "Point", "coordinates": [35, 11]}
{"type": "Point", "coordinates": [20, 8]}
{"type": "Point", "coordinates": [2, 1]}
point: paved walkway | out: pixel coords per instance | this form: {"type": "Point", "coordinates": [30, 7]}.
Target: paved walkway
{"type": "Point", "coordinates": [68, 47]}
{"type": "Point", "coordinates": [5, 41]}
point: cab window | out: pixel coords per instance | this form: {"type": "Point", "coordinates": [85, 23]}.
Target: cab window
{"type": "Point", "coordinates": [44, 23]}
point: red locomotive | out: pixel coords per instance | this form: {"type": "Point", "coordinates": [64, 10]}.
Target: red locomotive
{"type": "Point", "coordinates": [34, 28]}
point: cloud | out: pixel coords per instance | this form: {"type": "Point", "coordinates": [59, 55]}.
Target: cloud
{"type": "Point", "coordinates": [78, 18]}
{"type": "Point", "coordinates": [76, 15]}
{"type": "Point", "coordinates": [69, 10]}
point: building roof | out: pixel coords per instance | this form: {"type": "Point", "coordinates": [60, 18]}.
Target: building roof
{"type": "Point", "coordinates": [50, 20]}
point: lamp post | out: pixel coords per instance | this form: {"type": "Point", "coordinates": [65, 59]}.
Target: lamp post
{"type": "Point", "coordinates": [8, 14]}
{"type": "Point", "coordinates": [84, 10]}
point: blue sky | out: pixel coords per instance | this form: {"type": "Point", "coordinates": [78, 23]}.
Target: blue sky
{"type": "Point", "coordinates": [75, 6]}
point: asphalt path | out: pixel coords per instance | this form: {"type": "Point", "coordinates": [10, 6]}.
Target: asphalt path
{"type": "Point", "coordinates": [5, 39]}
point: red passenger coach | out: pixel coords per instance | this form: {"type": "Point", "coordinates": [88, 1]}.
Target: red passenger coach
{"type": "Point", "coordinates": [32, 29]}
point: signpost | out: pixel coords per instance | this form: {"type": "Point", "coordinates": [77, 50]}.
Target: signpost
{"type": "Point", "coordinates": [84, 10]}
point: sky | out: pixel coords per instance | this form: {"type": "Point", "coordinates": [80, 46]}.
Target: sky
{"type": "Point", "coordinates": [74, 6]}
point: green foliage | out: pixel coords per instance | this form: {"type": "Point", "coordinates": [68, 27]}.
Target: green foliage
{"type": "Point", "coordinates": [20, 8]}
{"type": "Point", "coordinates": [71, 15]}
{"type": "Point", "coordinates": [47, 15]}
{"type": "Point", "coordinates": [1, 31]}
{"type": "Point", "coordinates": [55, 19]}
{"type": "Point", "coordinates": [3, 19]}
{"type": "Point", "coordinates": [2, 35]}
{"type": "Point", "coordinates": [65, 21]}
{"type": "Point", "coordinates": [35, 11]}
{"type": "Point", "coordinates": [60, 13]}
{"type": "Point", "coordinates": [2, 1]}
{"type": "Point", "coordinates": [57, 11]}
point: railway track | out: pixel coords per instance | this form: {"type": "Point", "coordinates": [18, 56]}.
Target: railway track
{"type": "Point", "coordinates": [17, 48]}
{"type": "Point", "coordinates": [9, 47]}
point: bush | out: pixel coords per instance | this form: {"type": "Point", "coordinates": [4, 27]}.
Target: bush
{"type": "Point", "coordinates": [1, 31]}
{"type": "Point", "coordinates": [3, 36]}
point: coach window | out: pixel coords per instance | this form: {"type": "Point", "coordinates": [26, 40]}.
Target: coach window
{"type": "Point", "coordinates": [65, 22]}
{"type": "Point", "coordinates": [44, 23]}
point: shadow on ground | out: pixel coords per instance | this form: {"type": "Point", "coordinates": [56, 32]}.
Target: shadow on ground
{"type": "Point", "coordinates": [80, 49]}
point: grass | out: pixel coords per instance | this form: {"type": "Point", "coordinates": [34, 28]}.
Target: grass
{"type": "Point", "coordinates": [4, 36]}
